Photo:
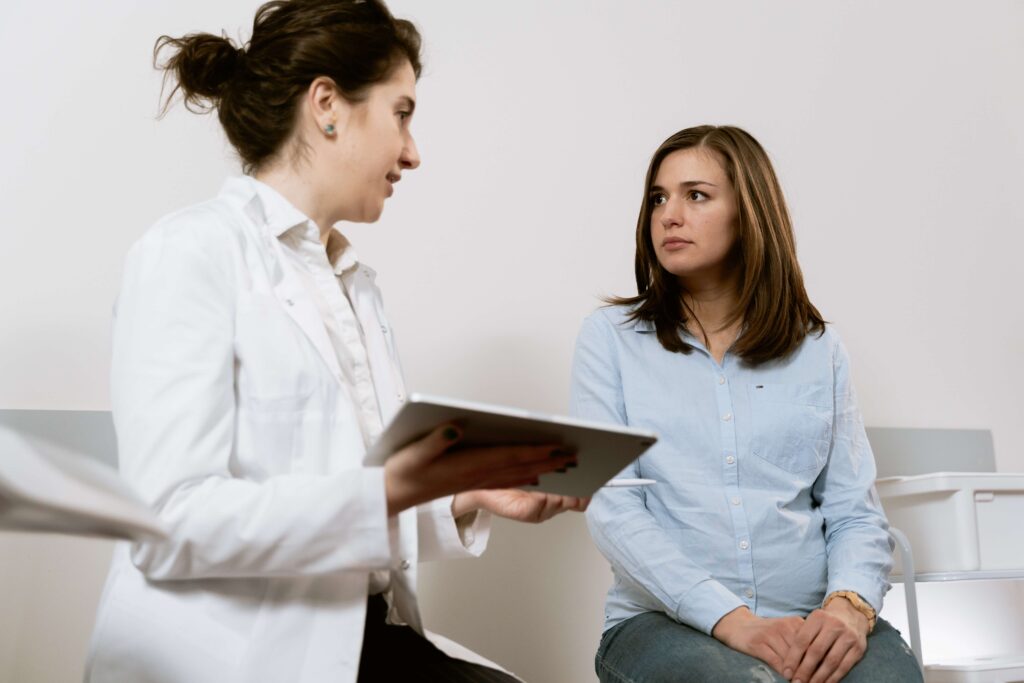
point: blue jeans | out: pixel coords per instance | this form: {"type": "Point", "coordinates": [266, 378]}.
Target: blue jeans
{"type": "Point", "coordinates": [652, 648]}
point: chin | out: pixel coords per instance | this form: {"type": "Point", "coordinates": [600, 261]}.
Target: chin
{"type": "Point", "coordinates": [372, 214]}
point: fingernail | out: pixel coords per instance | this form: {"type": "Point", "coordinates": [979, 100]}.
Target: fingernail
{"type": "Point", "coordinates": [451, 433]}
{"type": "Point", "coordinates": [561, 453]}
{"type": "Point", "coordinates": [787, 673]}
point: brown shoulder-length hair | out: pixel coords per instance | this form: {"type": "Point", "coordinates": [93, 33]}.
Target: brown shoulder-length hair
{"type": "Point", "coordinates": [773, 304]}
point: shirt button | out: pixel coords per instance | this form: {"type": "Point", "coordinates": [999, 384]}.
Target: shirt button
{"type": "Point", "coordinates": [749, 592]}
{"type": "Point", "coordinates": [744, 545]}
{"type": "Point", "coordinates": [721, 379]}
{"type": "Point", "coordinates": [736, 500]}
{"type": "Point", "coordinates": [726, 417]}
{"type": "Point", "coordinates": [405, 565]}
{"type": "Point", "coordinates": [730, 460]}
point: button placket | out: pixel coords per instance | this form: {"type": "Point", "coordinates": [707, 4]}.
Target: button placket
{"type": "Point", "coordinates": [731, 480]}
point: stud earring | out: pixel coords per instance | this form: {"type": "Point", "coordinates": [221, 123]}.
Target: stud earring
{"type": "Point", "coordinates": [329, 129]}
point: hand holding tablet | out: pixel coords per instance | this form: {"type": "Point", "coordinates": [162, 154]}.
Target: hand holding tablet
{"type": "Point", "coordinates": [602, 451]}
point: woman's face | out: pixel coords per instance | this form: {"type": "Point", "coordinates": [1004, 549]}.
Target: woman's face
{"type": "Point", "coordinates": [374, 145]}
{"type": "Point", "coordinates": [694, 223]}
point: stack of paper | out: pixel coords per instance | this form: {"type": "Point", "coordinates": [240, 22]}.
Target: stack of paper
{"type": "Point", "coordinates": [46, 487]}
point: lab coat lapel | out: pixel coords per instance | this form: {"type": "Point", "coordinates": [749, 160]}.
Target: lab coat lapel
{"type": "Point", "coordinates": [303, 311]}
{"type": "Point", "coordinates": [287, 288]}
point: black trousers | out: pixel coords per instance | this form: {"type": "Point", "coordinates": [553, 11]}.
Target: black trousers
{"type": "Point", "coordinates": [397, 653]}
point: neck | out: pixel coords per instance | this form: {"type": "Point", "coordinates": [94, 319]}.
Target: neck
{"type": "Point", "coordinates": [712, 300]}
{"type": "Point", "coordinates": [302, 194]}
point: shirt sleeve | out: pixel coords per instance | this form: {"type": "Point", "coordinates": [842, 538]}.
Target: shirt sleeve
{"type": "Point", "coordinates": [857, 540]}
{"type": "Point", "coordinates": [625, 531]}
{"type": "Point", "coordinates": [174, 411]}
{"type": "Point", "coordinates": [442, 537]}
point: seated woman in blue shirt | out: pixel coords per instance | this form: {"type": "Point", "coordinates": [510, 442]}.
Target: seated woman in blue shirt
{"type": "Point", "coordinates": [762, 551]}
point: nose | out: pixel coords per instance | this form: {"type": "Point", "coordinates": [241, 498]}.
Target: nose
{"type": "Point", "coordinates": [410, 158]}
{"type": "Point", "coordinates": [672, 214]}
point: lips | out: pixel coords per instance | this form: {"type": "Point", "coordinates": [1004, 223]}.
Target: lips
{"type": "Point", "coordinates": [675, 244]}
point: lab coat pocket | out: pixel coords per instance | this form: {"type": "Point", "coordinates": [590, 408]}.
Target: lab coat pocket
{"type": "Point", "coordinates": [275, 364]}
{"type": "Point", "coordinates": [792, 425]}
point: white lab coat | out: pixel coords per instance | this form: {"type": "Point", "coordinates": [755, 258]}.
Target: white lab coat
{"type": "Point", "coordinates": [235, 424]}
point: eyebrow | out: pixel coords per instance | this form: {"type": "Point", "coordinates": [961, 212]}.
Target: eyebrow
{"type": "Point", "coordinates": [686, 183]}
{"type": "Point", "coordinates": [409, 102]}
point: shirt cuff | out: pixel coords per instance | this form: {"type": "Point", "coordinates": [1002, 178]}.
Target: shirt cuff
{"type": "Point", "coordinates": [705, 604]}
{"type": "Point", "coordinates": [867, 587]}
{"type": "Point", "coordinates": [442, 537]}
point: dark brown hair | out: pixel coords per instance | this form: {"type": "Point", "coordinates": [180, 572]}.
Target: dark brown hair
{"type": "Point", "coordinates": [773, 304]}
{"type": "Point", "coordinates": [256, 88]}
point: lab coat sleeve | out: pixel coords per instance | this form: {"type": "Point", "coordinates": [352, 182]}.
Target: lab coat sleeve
{"type": "Point", "coordinates": [857, 538]}
{"type": "Point", "coordinates": [618, 518]}
{"type": "Point", "coordinates": [442, 537]}
{"type": "Point", "coordinates": [174, 410]}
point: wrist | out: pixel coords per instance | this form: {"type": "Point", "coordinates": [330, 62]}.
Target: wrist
{"type": "Point", "coordinates": [856, 609]}
{"type": "Point", "coordinates": [728, 624]}
{"type": "Point", "coordinates": [399, 497]}
{"type": "Point", "coordinates": [464, 503]}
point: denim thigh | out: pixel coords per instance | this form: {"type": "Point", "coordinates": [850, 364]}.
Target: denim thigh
{"type": "Point", "coordinates": [888, 660]}
{"type": "Point", "coordinates": [653, 648]}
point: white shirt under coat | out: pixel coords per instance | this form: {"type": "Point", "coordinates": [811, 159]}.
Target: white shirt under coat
{"type": "Point", "coordinates": [244, 422]}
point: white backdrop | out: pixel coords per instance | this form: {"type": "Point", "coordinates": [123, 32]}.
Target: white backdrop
{"type": "Point", "coordinates": [896, 129]}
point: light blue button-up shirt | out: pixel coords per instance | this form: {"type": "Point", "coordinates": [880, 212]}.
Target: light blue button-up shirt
{"type": "Point", "coordinates": [765, 493]}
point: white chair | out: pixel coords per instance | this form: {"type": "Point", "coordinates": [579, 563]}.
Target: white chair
{"type": "Point", "coordinates": [903, 452]}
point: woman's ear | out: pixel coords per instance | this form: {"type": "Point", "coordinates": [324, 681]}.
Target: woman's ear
{"type": "Point", "coordinates": [325, 105]}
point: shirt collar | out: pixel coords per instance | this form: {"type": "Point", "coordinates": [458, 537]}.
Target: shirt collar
{"type": "Point", "coordinates": [643, 326]}
{"type": "Point", "coordinates": [282, 218]}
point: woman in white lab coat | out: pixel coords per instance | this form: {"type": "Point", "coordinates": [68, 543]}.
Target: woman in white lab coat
{"type": "Point", "coordinates": [252, 367]}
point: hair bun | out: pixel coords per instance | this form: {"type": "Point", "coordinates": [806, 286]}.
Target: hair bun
{"type": "Point", "coordinates": [204, 65]}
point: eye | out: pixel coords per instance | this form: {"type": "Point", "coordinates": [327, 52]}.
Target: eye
{"type": "Point", "coordinates": [403, 116]}
{"type": "Point", "coordinates": [657, 199]}
{"type": "Point", "coordinates": [696, 196]}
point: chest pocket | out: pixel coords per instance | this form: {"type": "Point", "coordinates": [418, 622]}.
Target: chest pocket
{"type": "Point", "coordinates": [792, 424]}
{"type": "Point", "coordinates": [274, 361]}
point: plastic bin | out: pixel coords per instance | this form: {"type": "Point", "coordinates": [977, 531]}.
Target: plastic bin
{"type": "Point", "coordinates": [959, 521]}
{"type": "Point", "coordinates": [981, 670]}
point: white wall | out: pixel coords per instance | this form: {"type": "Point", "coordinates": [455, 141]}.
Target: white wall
{"type": "Point", "coordinates": [896, 129]}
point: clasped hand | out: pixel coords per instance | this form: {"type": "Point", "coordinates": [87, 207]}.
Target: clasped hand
{"type": "Point", "coordinates": [819, 649]}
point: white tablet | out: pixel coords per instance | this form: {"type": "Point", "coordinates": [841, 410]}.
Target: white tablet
{"type": "Point", "coordinates": [603, 450]}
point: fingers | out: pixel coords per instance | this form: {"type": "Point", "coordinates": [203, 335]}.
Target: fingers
{"type": "Point", "coordinates": [543, 458]}
{"type": "Point", "coordinates": [853, 655]}
{"type": "Point", "coordinates": [774, 650]}
{"type": "Point", "coordinates": [439, 440]}
{"type": "Point", "coordinates": [562, 504]}
{"type": "Point", "coordinates": [828, 634]}
{"type": "Point", "coordinates": [429, 468]}
{"type": "Point", "coordinates": [837, 654]}
{"type": "Point", "coordinates": [767, 654]}
{"type": "Point", "coordinates": [554, 505]}
{"type": "Point", "coordinates": [551, 505]}
{"type": "Point", "coordinates": [799, 643]}
{"type": "Point", "coordinates": [779, 638]}
{"type": "Point", "coordinates": [510, 467]}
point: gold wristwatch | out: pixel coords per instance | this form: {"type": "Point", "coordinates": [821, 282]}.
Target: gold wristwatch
{"type": "Point", "coordinates": [859, 604]}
